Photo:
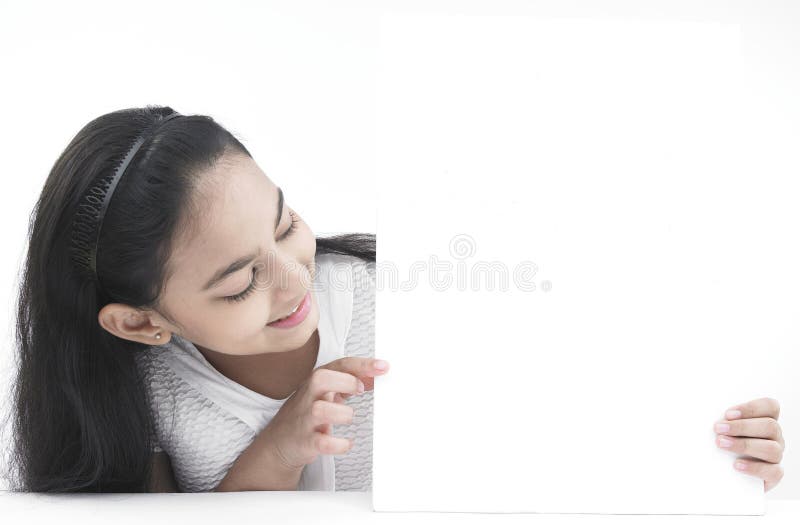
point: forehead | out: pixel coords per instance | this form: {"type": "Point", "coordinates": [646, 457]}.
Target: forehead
{"type": "Point", "coordinates": [235, 208]}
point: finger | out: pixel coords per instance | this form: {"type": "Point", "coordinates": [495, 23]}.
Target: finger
{"type": "Point", "coordinates": [762, 407]}
{"type": "Point", "coordinates": [327, 444]}
{"type": "Point", "coordinates": [325, 381]}
{"type": "Point", "coordinates": [362, 367]}
{"type": "Point", "coordinates": [765, 449]}
{"type": "Point", "coordinates": [342, 398]}
{"type": "Point", "coordinates": [325, 428]}
{"type": "Point", "coordinates": [760, 427]}
{"type": "Point", "coordinates": [771, 473]}
{"type": "Point", "coordinates": [326, 412]}
{"type": "Point", "coordinates": [369, 383]}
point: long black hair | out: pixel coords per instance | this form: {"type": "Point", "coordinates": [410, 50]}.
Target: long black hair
{"type": "Point", "coordinates": [80, 413]}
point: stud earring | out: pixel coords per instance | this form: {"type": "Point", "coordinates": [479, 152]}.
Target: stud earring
{"type": "Point", "coordinates": [158, 336]}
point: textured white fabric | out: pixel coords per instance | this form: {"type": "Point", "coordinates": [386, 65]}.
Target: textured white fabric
{"type": "Point", "coordinates": [205, 420]}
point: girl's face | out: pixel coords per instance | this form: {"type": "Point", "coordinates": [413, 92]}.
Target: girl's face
{"type": "Point", "coordinates": [247, 261]}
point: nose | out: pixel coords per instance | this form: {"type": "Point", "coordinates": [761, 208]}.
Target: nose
{"type": "Point", "coordinates": [287, 284]}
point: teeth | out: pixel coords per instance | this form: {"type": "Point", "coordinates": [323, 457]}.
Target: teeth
{"type": "Point", "coordinates": [293, 311]}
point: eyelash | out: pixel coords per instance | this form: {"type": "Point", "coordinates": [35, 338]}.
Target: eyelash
{"type": "Point", "coordinates": [293, 227]}
{"type": "Point", "coordinates": [243, 295]}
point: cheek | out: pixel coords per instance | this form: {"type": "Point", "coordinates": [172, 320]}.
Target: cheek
{"type": "Point", "coordinates": [308, 242]}
{"type": "Point", "coordinates": [305, 247]}
{"type": "Point", "coordinates": [236, 321]}
{"type": "Point", "coordinates": [239, 323]}
{"type": "Point", "coordinates": [212, 328]}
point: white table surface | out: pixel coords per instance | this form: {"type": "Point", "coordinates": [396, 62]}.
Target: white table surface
{"type": "Point", "coordinates": [286, 508]}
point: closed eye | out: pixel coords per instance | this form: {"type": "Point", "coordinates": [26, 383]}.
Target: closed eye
{"type": "Point", "coordinates": [292, 227]}
{"type": "Point", "coordinates": [241, 296]}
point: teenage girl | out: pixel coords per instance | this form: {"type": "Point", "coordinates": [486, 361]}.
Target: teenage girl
{"type": "Point", "coordinates": [181, 336]}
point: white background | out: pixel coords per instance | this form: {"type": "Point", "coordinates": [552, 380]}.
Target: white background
{"type": "Point", "coordinates": [294, 80]}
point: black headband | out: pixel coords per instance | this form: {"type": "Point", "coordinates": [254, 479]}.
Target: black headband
{"type": "Point", "coordinates": [89, 218]}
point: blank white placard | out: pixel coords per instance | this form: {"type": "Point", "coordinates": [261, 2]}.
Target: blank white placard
{"type": "Point", "coordinates": [634, 191]}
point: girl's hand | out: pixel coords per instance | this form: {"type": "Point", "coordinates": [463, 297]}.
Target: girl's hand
{"type": "Point", "coordinates": [301, 429]}
{"type": "Point", "coordinates": [365, 369]}
{"type": "Point", "coordinates": [759, 435]}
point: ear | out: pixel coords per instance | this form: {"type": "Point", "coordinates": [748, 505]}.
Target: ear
{"type": "Point", "coordinates": [131, 323]}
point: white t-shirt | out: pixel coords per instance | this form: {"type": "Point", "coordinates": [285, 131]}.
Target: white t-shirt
{"type": "Point", "coordinates": [204, 420]}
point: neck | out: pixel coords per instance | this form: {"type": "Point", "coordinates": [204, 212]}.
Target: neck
{"type": "Point", "coordinates": [272, 374]}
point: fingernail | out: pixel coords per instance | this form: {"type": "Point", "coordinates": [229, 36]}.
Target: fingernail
{"type": "Point", "coordinates": [381, 364]}
{"type": "Point", "coordinates": [722, 427]}
{"type": "Point", "coordinates": [733, 414]}
{"type": "Point", "coordinates": [725, 442]}
{"type": "Point", "coordinates": [360, 387]}
{"type": "Point", "coordinates": [740, 465]}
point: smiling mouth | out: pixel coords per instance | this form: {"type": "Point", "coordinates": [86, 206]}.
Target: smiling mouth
{"type": "Point", "coordinates": [290, 313]}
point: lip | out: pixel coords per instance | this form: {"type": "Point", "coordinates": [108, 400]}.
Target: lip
{"type": "Point", "coordinates": [296, 318]}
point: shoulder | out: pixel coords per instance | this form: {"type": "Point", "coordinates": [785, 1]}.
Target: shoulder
{"type": "Point", "coordinates": [361, 333]}
{"type": "Point", "coordinates": [363, 274]}
{"type": "Point", "coordinates": [349, 270]}
{"type": "Point", "coordinates": [158, 379]}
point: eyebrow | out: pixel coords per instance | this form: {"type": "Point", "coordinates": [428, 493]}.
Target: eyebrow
{"type": "Point", "coordinates": [243, 261]}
